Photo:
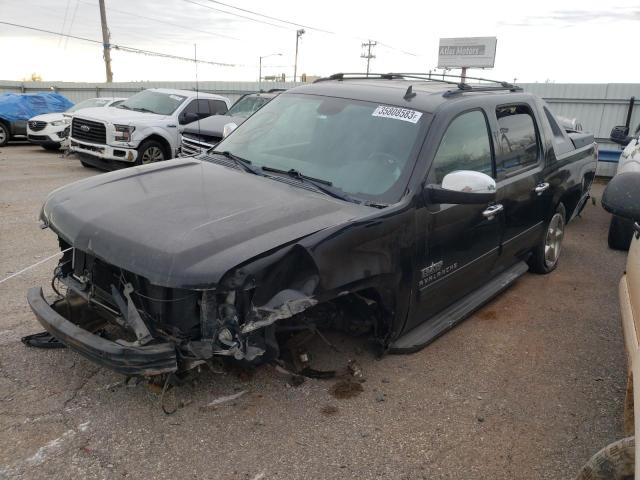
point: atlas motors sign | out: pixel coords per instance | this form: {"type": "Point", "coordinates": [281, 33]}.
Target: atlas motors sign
{"type": "Point", "coordinates": [478, 52]}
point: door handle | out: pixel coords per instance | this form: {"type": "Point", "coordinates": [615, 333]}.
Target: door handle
{"type": "Point", "coordinates": [492, 210]}
{"type": "Point", "coordinates": [541, 187]}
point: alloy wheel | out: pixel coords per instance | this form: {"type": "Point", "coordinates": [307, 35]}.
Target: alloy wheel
{"type": "Point", "coordinates": [553, 240]}
{"type": "Point", "coordinates": [152, 154]}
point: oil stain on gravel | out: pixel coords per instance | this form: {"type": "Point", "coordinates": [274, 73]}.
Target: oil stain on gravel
{"type": "Point", "coordinates": [346, 389]}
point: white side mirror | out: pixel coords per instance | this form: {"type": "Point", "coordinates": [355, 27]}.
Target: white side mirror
{"type": "Point", "coordinates": [228, 128]}
{"type": "Point", "coordinates": [469, 181]}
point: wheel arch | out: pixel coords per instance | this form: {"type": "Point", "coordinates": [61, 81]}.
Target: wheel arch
{"type": "Point", "coordinates": [166, 145]}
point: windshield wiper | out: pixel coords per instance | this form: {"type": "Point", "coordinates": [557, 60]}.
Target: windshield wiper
{"type": "Point", "coordinates": [239, 161]}
{"type": "Point", "coordinates": [122, 105]}
{"type": "Point", "coordinates": [324, 186]}
{"type": "Point", "coordinates": [144, 110]}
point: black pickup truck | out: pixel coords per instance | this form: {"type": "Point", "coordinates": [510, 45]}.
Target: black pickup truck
{"type": "Point", "coordinates": [391, 205]}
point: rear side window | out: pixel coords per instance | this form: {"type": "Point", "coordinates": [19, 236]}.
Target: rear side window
{"type": "Point", "coordinates": [518, 139]}
{"type": "Point", "coordinates": [465, 145]}
{"type": "Point", "coordinates": [217, 107]}
{"type": "Point", "coordinates": [199, 107]}
{"type": "Point", "coordinates": [555, 128]}
{"type": "Point", "coordinates": [561, 142]}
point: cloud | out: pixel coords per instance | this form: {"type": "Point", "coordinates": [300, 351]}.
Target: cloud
{"type": "Point", "coordinates": [574, 17]}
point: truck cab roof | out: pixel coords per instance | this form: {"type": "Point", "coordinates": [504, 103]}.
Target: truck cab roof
{"type": "Point", "coordinates": [416, 91]}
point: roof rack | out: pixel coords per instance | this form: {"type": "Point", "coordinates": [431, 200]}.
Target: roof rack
{"type": "Point", "coordinates": [462, 87]}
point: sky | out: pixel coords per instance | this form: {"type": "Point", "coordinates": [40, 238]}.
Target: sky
{"type": "Point", "coordinates": [569, 41]}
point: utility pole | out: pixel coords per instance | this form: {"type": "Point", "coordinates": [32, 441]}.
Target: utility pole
{"type": "Point", "coordinates": [106, 46]}
{"type": "Point", "coordinates": [260, 68]}
{"type": "Point", "coordinates": [368, 55]}
{"type": "Point", "coordinates": [299, 33]}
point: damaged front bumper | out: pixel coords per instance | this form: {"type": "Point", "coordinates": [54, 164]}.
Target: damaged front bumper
{"type": "Point", "coordinates": [131, 360]}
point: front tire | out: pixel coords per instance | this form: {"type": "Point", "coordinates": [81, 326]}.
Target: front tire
{"type": "Point", "coordinates": [5, 135]}
{"type": "Point", "coordinates": [150, 151]}
{"type": "Point", "coordinates": [620, 233]}
{"type": "Point", "coordinates": [547, 253]}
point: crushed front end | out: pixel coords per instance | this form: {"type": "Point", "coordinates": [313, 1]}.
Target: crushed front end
{"type": "Point", "coordinates": [121, 321]}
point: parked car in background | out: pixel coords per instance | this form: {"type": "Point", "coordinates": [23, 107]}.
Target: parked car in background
{"type": "Point", "coordinates": [621, 228]}
{"type": "Point", "coordinates": [202, 135]}
{"type": "Point", "coordinates": [389, 205]}
{"type": "Point", "coordinates": [17, 108]}
{"type": "Point", "coordinates": [145, 128]}
{"type": "Point", "coordinates": [50, 130]}
{"type": "Point", "coordinates": [618, 460]}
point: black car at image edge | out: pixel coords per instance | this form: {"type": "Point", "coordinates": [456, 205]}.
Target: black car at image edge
{"type": "Point", "coordinates": [390, 206]}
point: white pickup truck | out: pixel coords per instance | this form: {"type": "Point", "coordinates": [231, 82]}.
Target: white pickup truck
{"type": "Point", "coordinates": [144, 128]}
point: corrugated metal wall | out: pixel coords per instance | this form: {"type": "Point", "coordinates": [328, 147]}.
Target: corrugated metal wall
{"type": "Point", "coordinates": [76, 92]}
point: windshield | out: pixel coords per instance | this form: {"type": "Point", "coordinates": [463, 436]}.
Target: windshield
{"type": "Point", "coordinates": [362, 148]}
{"type": "Point", "coordinates": [246, 106]}
{"type": "Point", "coordinates": [153, 102]}
{"type": "Point", "coordinates": [92, 102]}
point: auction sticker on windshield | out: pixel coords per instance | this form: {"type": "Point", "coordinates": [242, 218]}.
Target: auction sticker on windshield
{"type": "Point", "coordinates": [397, 113]}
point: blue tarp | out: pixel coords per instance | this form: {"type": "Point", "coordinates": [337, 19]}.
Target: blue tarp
{"type": "Point", "coordinates": [17, 106]}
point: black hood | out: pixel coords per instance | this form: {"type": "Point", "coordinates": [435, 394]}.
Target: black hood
{"type": "Point", "coordinates": [184, 223]}
{"type": "Point", "coordinates": [212, 126]}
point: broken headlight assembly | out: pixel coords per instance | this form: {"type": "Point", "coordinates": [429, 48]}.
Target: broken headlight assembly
{"type": "Point", "coordinates": [123, 133]}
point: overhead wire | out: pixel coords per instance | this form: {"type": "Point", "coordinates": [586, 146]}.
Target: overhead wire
{"type": "Point", "coordinates": [236, 15]}
{"type": "Point", "coordinates": [64, 22]}
{"type": "Point", "coordinates": [190, 28]}
{"type": "Point", "coordinates": [123, 48]}
{"type": "Point", "coordinates": [270, 17]}
{"type": "Point", "coordinates": [386, 45]}
{"type": "Point", "coordinates": [73, 19]}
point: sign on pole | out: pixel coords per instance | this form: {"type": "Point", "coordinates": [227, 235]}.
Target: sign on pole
{"type": "Point", "coordinates": [471, 52]}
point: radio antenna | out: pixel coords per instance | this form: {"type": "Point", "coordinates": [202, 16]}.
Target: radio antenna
{"type": "Point", "coordinates": [195, 61]}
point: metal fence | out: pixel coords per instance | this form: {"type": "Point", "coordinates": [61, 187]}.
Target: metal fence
{"type": "Point", "coordinates": [77, 91]}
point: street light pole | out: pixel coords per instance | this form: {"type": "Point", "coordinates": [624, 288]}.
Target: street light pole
{"type": "Point", "coordinates": [299, 33]}
{"type": "Point", "coordinates": [260, 67]}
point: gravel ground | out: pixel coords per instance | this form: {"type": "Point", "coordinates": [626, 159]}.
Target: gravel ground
{"type": "Point", "coordinates": [529, 387]}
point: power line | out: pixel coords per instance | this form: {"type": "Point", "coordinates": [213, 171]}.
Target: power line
{"type": "Point", "coordinates": [64, 22]}
{"type": "Point", "coordinates": [123, 48]}
{"type": "Point", "coordinates": [73, 19]}
{"type": "Point", "coordinates": [271, 18]}
{"type": "Point", "coordinates": [390, 47]}
{"type": "Point", "coordinates": [386, 45]}
{"type": "Point", "coordinates": [237, 15]}
{"type": "Point", "coordinates": [191, 29]}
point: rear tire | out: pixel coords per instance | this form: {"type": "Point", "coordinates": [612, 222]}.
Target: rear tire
{"type": "Point", "coordinates": [5, 135]}
{"type": "Point", "coordinates": [150, 151]}
{"type": "Point", "coordinates": [547, 253]}
{"type": "Point", "coordinates": [620, 233]}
